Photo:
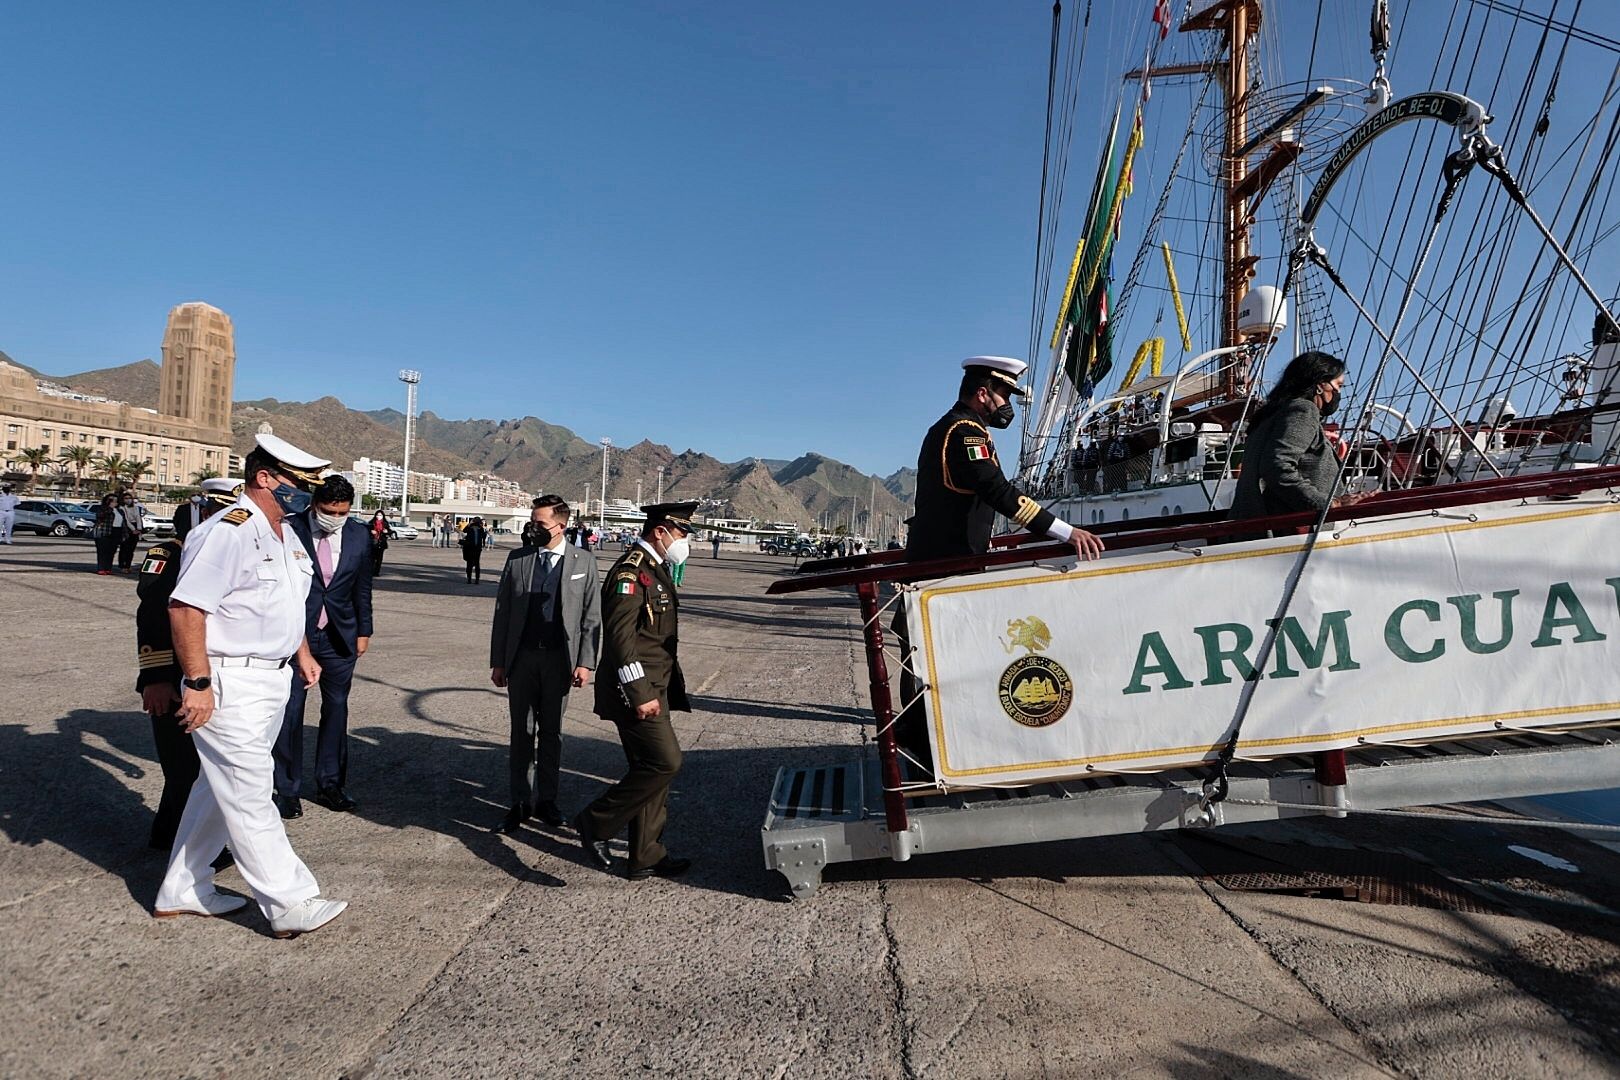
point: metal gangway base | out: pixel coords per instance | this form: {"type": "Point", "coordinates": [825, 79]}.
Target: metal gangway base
{"type": "Point", "coordinates": [830, 814]}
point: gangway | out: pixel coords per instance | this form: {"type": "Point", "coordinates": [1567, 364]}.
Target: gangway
{"type": "Point", "coordinates": [886, 805]}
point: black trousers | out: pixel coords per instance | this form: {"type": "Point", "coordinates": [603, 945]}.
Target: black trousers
{"type": "Point", "coordinates": [106, 548]}
{"type": "Point", "coordinates": [126, 548]}
{"type": "Point", "coordinates": [641, 799]}
{"type": "Point", "coordinates": [537, 689]}
{"type": "Point", "coordinates": [473, 555]}
{"type": "Point", "coordinates": [910, 725]}
{"type": "Point", "coordinates": [332, 741]}
{"type": "Point", "coordinates": [177, 756]}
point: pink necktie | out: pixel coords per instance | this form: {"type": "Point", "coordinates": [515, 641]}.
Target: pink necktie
{"type": "Point", "coordinates": [323, 555]}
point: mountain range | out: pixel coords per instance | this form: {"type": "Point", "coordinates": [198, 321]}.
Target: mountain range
{"type": "Point", "coordinates": [542, 456]}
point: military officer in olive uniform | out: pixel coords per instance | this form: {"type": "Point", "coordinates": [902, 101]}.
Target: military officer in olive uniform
{"type": "Point", "coordinates": [158, 681]}
{"type": "Point", "coordinates": [639, 684]}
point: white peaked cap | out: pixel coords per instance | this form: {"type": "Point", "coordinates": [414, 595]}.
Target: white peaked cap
{"type": "Point", "coordinates": [221, 490]}
{"type": "Point", "coordinates": [1005, 368]}
{"type": "Point", "coordinates": [297, 463]}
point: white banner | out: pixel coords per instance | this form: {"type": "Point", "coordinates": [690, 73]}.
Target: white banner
{"type": "Point", "coordinates": [1399, 630]}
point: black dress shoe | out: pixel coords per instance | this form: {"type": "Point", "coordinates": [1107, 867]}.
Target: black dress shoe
{"type": "Point", "coordinates": [548, 814]}
{"type": "Point", "coordinates": [596, 851]}
{"type": "Point", "coordinates": [515, 818]}
{"type": "Point", "coordinates": [668, 866]}
{"type": "Point", "coordinates": [288, 806]}
{"type": "Point", "coordinates": [333, 798]}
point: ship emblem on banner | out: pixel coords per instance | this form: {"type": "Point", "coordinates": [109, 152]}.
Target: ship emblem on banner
{"type": "Point", "coordinates": [1035, 691]}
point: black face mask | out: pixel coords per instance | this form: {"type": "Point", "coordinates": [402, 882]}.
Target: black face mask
{"type": "Point", "coordinates": [1331, 405]}
{"type": "Point", "coordinates": [1002, 416]}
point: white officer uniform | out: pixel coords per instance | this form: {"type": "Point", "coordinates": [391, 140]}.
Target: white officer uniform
{"type": "Point", "coordinates": [253, 586]}
{"type": "Point", "coordinates": [8, 515]}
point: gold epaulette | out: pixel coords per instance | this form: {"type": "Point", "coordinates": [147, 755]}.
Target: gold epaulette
{"type": "Point", "coordinates": [237, 516]}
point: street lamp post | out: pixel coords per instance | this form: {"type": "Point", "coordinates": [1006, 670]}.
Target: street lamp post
{"type": "Point", "coordinates": [410, 379]}
{"type": "Point", "coordinates": [601, 520]}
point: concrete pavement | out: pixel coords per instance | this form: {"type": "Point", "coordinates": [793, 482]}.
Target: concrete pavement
{"type": "Point", "coordinates": [467, 953]}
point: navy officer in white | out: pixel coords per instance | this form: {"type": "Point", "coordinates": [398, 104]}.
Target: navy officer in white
{"type": "Point", "coordinates": [238, 617]}
{"type": "Point", "coordinates": [338, 628]}
{"type": "Point", "coordinates": [545, 640]}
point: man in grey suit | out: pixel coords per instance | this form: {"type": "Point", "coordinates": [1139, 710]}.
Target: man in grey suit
{"type": "Point", "coordinates": [547, 632]}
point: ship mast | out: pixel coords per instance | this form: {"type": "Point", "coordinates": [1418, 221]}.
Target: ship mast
{"type": "Point", "coordinates": [1239, 20]}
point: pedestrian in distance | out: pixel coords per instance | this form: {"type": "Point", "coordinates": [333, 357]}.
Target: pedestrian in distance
{"type": "Point", "coordinates": [643, 685]}
{"type": "Point", "coordinates": [338, 627]}
{"type": "Point", "coordinates": [158, 671]}
{"type": "Point", "coordinates": [715, 540]}
{"type": "Point", "coordinates": [106, 533]}
{"type": "Point", "coordinates": [238, 616]}
{"type": "Point", "coordinates": [543, 642]}
{"type": "Point", "coordinates": [8, 512]}
{"type": "Point", "coordinates": [379, 533]}
{"type": "Point", "coordinates": [193, 511]}
{"type": "Point", "coordinates": [131, 526]}
{"type": "Point", "coordinates": [472, 548]}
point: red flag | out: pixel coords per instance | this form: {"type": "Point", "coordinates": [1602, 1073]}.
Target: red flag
{"type": "Point", "coordinates": [1161, 15]}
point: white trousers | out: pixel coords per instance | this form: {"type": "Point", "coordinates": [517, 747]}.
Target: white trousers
{"type": "Point", "coordinates": [231, 800]}
{"type": "Point", "coordinates": [7, 519]}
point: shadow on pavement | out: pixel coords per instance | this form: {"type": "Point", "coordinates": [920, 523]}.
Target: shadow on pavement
{"type": "Point", "coordinates": [62, 787]}
{"type": "Point", "coordinates": [770, 710]}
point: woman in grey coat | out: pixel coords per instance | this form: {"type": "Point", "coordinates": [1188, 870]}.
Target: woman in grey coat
{"type": "Point", "coordinates": [1287, 465]}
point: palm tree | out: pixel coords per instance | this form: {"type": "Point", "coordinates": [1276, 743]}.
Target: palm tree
{"type": "Point", "coordinates": [110, 467]}
{"type": "Point", "coordinates": [33, 459]}
{"type": "Point", "coordinates": [204, 474]}
{"type": "Point", "coordinates": [77, 458]}
{"type": "Point", "coordinates": [134, 471]}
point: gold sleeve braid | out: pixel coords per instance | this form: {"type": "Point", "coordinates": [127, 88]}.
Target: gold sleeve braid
{"type": "Point", "coordinates": [1027, 509]}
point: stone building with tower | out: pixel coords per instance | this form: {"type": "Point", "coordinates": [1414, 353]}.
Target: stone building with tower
{"type": "Point", "coordinates": [189, 431]}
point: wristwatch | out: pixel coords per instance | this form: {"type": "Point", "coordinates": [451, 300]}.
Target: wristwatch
{"type": "Point", "coordinates": [201, 683]}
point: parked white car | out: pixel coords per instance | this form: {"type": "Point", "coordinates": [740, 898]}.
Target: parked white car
{"type": "Point", "coordinates": [403, 531]}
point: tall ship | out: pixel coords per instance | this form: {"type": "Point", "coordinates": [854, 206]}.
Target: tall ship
{"type": "Point", "coordinates": [1454, 246]}
{"type": "Point", "coordinates": [1442, 628]}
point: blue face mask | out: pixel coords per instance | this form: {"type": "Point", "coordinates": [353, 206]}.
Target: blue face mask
{"type": "Point", "coordinates": [291, 500]}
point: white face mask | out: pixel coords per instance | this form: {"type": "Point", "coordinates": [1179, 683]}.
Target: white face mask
{"type": "Point", "coordinates": [330, 523]}
{"type": "Point", "coordinates": [677, 552]}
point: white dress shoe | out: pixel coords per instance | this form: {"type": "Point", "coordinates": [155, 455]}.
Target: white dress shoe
{"type": "Point", "coordinates": [211, 907]}
{"type": "Point", "coordinates": [312, 914]}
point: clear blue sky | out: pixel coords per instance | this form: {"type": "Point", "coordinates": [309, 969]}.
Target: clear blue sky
{"type": "Point", "coordinates": [746, 228]}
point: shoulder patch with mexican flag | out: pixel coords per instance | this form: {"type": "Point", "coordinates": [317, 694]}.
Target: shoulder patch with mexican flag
{"type": "Point", "coordinates": [978, 453]}
{"type": "Point", "coordinates": [625, 585]}
{"type": "Point", "coordinates": [154, 564]}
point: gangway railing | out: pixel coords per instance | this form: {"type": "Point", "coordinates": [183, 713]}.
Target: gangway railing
{"type": "Point", "coordinates": [868, 574]}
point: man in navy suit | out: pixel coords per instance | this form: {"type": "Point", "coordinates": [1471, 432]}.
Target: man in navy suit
{"type": "Point", "coordinates": [337, 625]}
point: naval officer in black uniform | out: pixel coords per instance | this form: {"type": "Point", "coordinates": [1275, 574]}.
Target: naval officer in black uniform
{"type": "Point", "coordinates": [639, 683]}
{"type": "Point", "coordinates": [960, 485]}
{"type": "Point", "coordinates": [960, 490]}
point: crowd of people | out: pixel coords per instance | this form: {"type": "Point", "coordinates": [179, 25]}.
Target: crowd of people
{"type": "Point", "coordinates": [267, 589]}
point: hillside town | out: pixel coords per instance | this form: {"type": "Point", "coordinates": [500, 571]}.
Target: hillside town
{"type": "Point", "coordinates": [70, 437]}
